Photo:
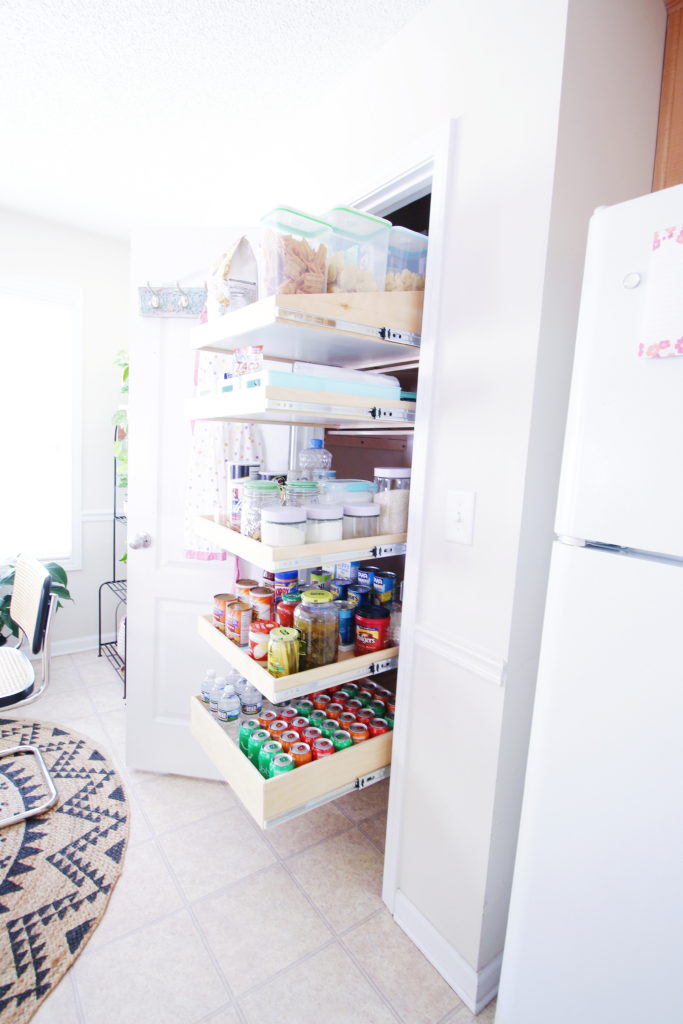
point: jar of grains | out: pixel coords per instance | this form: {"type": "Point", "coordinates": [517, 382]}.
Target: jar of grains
{"type": "Point", "coordinates": [317, 619]}
{"type": "Point", "coordinates": [393, 495]}
{"type": "Point", "coordinates": [256, 496]}
{"type": "Point", "coordinates": [282, 526]}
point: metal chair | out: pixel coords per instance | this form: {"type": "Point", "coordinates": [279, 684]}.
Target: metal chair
{"type": "Point", "coordinates": [31, 608]}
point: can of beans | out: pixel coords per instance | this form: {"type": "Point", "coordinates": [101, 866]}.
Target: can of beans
{"type": "Point", "coordinates": [258, 639]}
{"type": "Point", "coordinates": [244, 587]}
{"type": "Point", "coordinates": [372, 625]}
{"type": "Point", "coordinates": [377, 726]}
{"type": "Point", "coordinates": [237, 622]}
{"type": "Point", "coordinates": [359, 731]}
{"type": "Point", "coordinates": [219, 603]}
{"type": "Point", "coordinates": [384, 587]}
{"type": "Point", "coordinates": [322, 747]}
{"type": "Point", "coordinates": [366, 575]}
{"type": "Point", "coordinates": [311, 733]}
{"type": "Point", "coordinates": [261, 600]}
{"type": "Point", "coordinates": [301, 753]}
{"type": "Point", "coordinates": [288, 737]}
{"type": "Point", "coordinates": [266, 754]}
{"type": "Point", "coordinates": [346, 719]}
{"type": "Point", "coordinates": [359, 596]}
{"type": "Point", "coordinates": [341, 739]}
{"type": "Point", "coordinates": [280, 764]}
{"type": "Point", "coordinates": [339, 588]}
{"type": "Point", "coordinates": [266, 717]}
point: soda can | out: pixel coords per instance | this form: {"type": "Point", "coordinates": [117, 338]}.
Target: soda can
{"type": "Point", "coordinates": [266, 754]}
{"type": "Point", "coordinates": [301, 753]}
{"type": "Point", "coordinates": [339, 588]}
{"type": "Point", "coordinates": [359, 596]}
{"type": "Point", "coordinates": [305, 707]}
{"type": "Point", "coordinates": [354, 705]}
{"type": "Point", "coordinates": [378, 706]}
{"type": "Point", "coordinates": [288, 713]}
{"type": "Point", "coordinates": [266, 717]}
{"type": "Point", "coordinates": [321, 701]}
{"type": "Point", "coordinates": [219, 604]}
{"type": "Point", "coordinates": [329, 726]}
{"type": "Point", "coordinates": [365, 715]}
{"type": "Point", "coordinates": [256, 741]}
{"type": "Point", "coordinates": [366, 575]}
{"type": "Point", "coordinates": [339, 697]}
{"type": "Point", "coordinates": [280, 764]}
{"type": "Point", "coordinates": [311, 733]}
{"type": "Point", "coordinates": [334, 710]}
{"type": "Point", "coordinates": [384, 586]}
{"type": "Point", "coordinates": [382, 692]}
{"type": "Point", "coordinates": [364, 695]}
{"type": "Point", "coordinates": [377, 726]}
{"type": "Point", "coordinates": [247, 726]}
{"type": "Point", "coordinates": [346, 719]}
{"type": "Point", "coordinates": [244, 587]}
{"type": "Point", "coordinates": [391, 706]}
{"type": "Point", "coordinates": [359, 731]}
{"type": "Point", "coordinates": [261, 601]}
{"type": "Point", "coordinates": [279, 726]}
{"type": "Point", "coordinates": [300, 723]}
{"type": "Point", "coordinates": [285, 581]}
{"type": "Point", "coordinates": [287, 738]}
{"type": "Point", "coordinates": [350, 689]}
{"type": "Point", "coordinates": [341, 739]}
{"type": "Point", "coordinates": [322, 747]}
{"type": "Point", "coordinates": [316, 717]}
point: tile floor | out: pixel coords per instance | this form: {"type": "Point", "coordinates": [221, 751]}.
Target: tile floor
{"type": "Point", "coordinates": [186, 940]}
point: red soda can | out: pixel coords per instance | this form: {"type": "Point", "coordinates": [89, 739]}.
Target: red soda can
{"type": "Point", "coordinates": [391, 705]}
{"type": "Point", "coordinates": [311, 734]}
{"type": "Point", "coordinates": [359, 731]}
{"type": "Point", "coordinates": [354, 705]}
{"type": "Point", "coordinates": [339, 697]}
{"type": "Point", "coordinates": [301, 753]}
{"type": "Point", "coordinates": [288, 714]}
{"type": "Point", "coordinates": [288, 738]}
{"type": "Point", "coordinates": [365, 715]}
{"type": "Point", "coordinates": [377, 726]}
{"type": "Point", "coordinates": [346, 719]}
{"type": "Point", "coordinates": [322, 747]}
{"type": "Point", "coordinates": [299, 723]}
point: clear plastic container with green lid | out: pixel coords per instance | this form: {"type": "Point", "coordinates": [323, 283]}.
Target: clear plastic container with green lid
{"type": "Point", "coordinates": [358, 251]}
{"type": "Point", "coordinates": [406, 261]}
{"type": "Point", "coordinates": [257, 495]}
{"type": "Point", "coordinates": [301, 492]}
{"type": "Point", "coordinates": [317, 619]}
{"type": "Point", "coordinates": [294, 253]}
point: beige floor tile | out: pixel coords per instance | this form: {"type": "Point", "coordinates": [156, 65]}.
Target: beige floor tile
{"type": "Point", "coordinates": [271, 925]}
{"type": "Point", "coordinates": [171, 801]}
{"type": "Point", "coordinates": [160, 974]}
{"type": "Point", "coordinates": [115, 724]}
{"type": "Point", "coordinates": [60, 1007]}
{"type": "Point", "coordinates": [364, 803]}
{"type": "Point", "coordinates": [343, 877]}
{"type": "Point", "coordinates": [89, 726]}
{"type": "Point", "coordinates": [341, 994]}
{"type": "Point", "coordinates": [464, 1016]}
{"type": "Point", "coordinates": [375, 829]}
{"type": "Point", "coordinates": [57, 707]}
{"type": "Point", "coordinates": [208, 855]}
{"type": "Point", "coordinates": [405, 978]}
{"type": "Point", "coordinates": [145, 892]}
{"type": "Point", "coordinates": [138, 829]}
{"type": "Point", "coordinates": [306, 829]}
{"type": "Point", "coordinates": [106, 694]}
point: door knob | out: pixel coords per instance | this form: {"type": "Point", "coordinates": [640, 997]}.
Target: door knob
{"type": "Point", "coordinates": [140, 540]}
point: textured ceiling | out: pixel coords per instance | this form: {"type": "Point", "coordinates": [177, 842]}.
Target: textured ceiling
{"type": "Point", "coordinates": [112, 110]}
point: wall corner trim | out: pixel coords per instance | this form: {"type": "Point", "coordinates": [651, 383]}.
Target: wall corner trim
{"type": "Point", "coordinates": [494, 670]}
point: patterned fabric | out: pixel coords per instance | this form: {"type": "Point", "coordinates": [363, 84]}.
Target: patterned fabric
{"type": "Point", "coordinates": [57, 870]}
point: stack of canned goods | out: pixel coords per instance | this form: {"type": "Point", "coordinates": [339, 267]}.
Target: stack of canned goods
{"type": "Point", "coordinates": [287, 736]}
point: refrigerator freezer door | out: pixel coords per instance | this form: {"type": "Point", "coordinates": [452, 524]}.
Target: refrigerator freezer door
{"type": "Point", "coordinates": [596, 919]}
{"type": "Point", "coordinates": [622, 473]}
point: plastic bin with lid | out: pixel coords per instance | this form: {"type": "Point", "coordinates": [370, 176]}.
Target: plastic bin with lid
{"type": "Point", "coordinates": [345, 491]}
{"type": "Point", "coordinates": [406, 260]}
{"type": "Point", "coordinates": [294, 253]}
{"type": "Point", "coordinates": [358, 251]}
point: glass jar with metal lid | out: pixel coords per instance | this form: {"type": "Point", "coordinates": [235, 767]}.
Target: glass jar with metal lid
{"type": "Point", "coordinates": [317, 619]}
{"type": "Point", "coordinates": [257, 495]}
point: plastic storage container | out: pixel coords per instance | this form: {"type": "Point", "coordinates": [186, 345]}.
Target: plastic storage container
{"type": "Point", "coordinates": [406, 261]}
{"type": "Point", "coordinates": [317, 619]}
{"type": "Point", "coordinates": [238, 472]}
{"type": "Point", "coordinates": [256, 496]}
{"type": "Point", "coordinates": [314, 461]}
{"type": "Point", "coordinates": [283, 525]}
{"type": "Point", "coordinates": [393, 495]}
{"type": "Point", "coordinates": [301, 492]}
{"type": "Point", "coordinates": [361, 520]}
{"type": "Point", "coordinates": [358, 257]}
{"type": "Point", "coordinates": [323, 523]}
{"type": "Point", "coordinates": [341, 492]}
{"type": "Point", "coordinates": [294, 253]}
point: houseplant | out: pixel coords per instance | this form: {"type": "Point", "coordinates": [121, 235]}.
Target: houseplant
{"type": "Point", "coordinates": [59, 587]}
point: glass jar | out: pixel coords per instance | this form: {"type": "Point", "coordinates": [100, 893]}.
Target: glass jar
{"type": "Point", "coordinates": [301, 493]}
{"type": "Point", "coordinates": [317, 619]}
{"type": "Point", "coordinates": [257, 495]}
{"type": "Point", "coordinates": [284, 612]}
{"type": "Point", "coordinates": [323, 523]}
{"type": "Point", "coordinates": [361, 520]}
{"type": "Point", "coordinates": [283, 651]}
{"type": "Point", "coordinates": [393, 495]}
{"type": "Point", "coordinates": [282, 526]}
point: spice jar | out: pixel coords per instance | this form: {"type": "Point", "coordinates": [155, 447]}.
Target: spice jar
{"type": "Point", "coordinates": [323, 523]}
{"type": "Point", "coordinates": [393, 495]}
{"type": "Point", "coordinates": [361, 520]}
{"type": "Point", "coordinates": [282, 526]}
{"type": "Point", "coordinates": [301, 492]}
{"type": "Point", "coordinates": [256, 496]}
{"type": "Point", "coordinates": [317, 619]}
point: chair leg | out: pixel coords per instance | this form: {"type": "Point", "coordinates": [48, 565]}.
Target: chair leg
{"type": "Point", "coordinates": [51, 798]}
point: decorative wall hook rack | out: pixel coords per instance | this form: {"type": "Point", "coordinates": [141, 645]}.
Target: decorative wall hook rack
{"type": "Point", "coordinates": [174, 301]}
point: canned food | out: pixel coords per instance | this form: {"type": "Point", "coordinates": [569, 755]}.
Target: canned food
{"type": "Point", "coordinates": [244, 587]}
{"type": "Point", "coordinates": [219, 603]}
{"type": "Point", "coordinates": [256, 741]}
{"type": "Point", "coordinates": [266, 754]}
{"type": "Point", "coordinates": [359, 596]}
{"type": "Point", "coordinates": [354, 705]}
{"type": "Point", "coordinates": [322, 747]}
{"type": "Point", "coordinates": [334, 710]}
{"type": "Point", "coordinates": [372, 625]}
{"type": "Point", "coordinates": [268, 578]}
{"type": "Point", "coordinates": [283, 651]}
{"type": "Point", "coordinates": [280, 764]}
{"type": "Point", "coordinates": [329, 726]}
{"type": "Point", "coordinates": [279, 726]}
{"type": "Point", "coordinates": [341, 739]}
{"type": "Point", "coordinates": [247, 726]}
{"type": "Point", "coordinates": [287, 713]}
{"type": "Point", "coordinates": [366, 575]}
{"type": "Point", "coordinates": [346, 719]}
{"type": "Point", "coordinates": [288, 737]}
{"type": "Point", "coordinates": [377, 726]}
{"type": "Point", "coordinates": [266, 717]}
{"type": "Point", "coordinates": [258, 639]}
{"type": "Point", "coordinates": [301, 753]}
{"type": "Point", "coordinates": [321, 701]}
{"type": "Point", "coordinates": [359, 731]}
{"type": "Point", "coordinates": [299, 723]}
{"type": "Point", "coordinates": [384, 587]}
{"type": "Point", "coordinates": [305, 707]}
{"type": "Point", "coordinates": [285, 581]}
{"type": "Point", "coordinates": [339, 588]}
{"type": "Point", "coordinates": [237, 622]}
{"type": "Point", "coordinates": [261, 600]}
{"type": "Point", "coordinates": [318, 578]}
{"type": "Point", "coordinates": [311, 733]}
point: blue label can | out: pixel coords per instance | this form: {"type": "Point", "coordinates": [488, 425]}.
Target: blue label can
{"type": "Point", "coordinates": [358, 596]}
{"type": "Point", "coordinates": [347, 623]}
{"type": "Point", "coordinates": [384, 587]}
{"type": "Point", "coordinates": [340, 588]}
{"type": "Point", "coordinates": [366, 575]}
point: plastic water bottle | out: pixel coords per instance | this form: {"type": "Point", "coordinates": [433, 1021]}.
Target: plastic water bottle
{"type": "Point", "coordinates": [314, 461]}
{"type": "Point", "coordinates": [215, 694]}
{"type": "Point", "coordinates": [239, 683]}
{"type": "Point", "coordinates": [252, 701]}
{"type": "Point", "coordinates": [229, 705]}
{"type": "Point", "coordinates": [208, 684]}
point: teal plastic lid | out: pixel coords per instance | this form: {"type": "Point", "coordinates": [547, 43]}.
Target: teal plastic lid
{"type": "Point", "coordinates": [287, 218]}
{"type": "Point", "coordinates": [356, 224]}
{"type": "Point", "coordinates": [405, 240]}
{"type": "Point", "coordinates": [263, 486]}
{"type": "Point", "coordinates": [305, 486]}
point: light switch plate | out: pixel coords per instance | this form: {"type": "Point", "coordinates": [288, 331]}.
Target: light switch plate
{"type": "Point", "coordinates": [460, 516]}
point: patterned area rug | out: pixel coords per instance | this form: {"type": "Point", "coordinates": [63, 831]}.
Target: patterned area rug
{"type": "Point", "coordinates": [57, 870]}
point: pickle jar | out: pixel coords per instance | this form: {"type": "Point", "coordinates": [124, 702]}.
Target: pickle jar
{"type": "Point", "coordinates": [283, 651]}
{"type": "Point", "coordinates": [257, 495]}
{"type": "Point", "coordinates": [317, 619]}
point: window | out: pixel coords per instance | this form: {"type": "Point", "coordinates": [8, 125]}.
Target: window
{"type": "Point", "coordinates": [40, 329]}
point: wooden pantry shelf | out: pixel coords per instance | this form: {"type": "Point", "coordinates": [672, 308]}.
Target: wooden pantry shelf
{"type": "Point", "coordinates": [298, 555]}
{"type": "Point", "coordinates": [271, 801]}
{"type": "Point", "coordinates": [278, 689]}
{"type": "Point", "coordinates": [357, 330]}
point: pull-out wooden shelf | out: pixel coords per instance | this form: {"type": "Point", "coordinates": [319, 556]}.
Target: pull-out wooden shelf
{"type": "Point", "coordinates": [270, 801]}
{"type": "Point", "coordinates": [357, 330]}
{"type": "Point", "coordinates": [288, 687]}
{"type": "Point", "coordinates": [298, 555]}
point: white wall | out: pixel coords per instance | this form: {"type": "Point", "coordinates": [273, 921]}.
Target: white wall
{"type": "Point", "coordinates": [43, 251]}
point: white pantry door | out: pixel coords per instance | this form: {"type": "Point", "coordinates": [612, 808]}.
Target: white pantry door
{"type": "Point", "coordinates": [166, 591]}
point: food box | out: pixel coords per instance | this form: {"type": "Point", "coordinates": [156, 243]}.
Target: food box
{"type": "Point", "coordinates": [406, 261]}
{"type": "Point", "coordinates": [294, 253]}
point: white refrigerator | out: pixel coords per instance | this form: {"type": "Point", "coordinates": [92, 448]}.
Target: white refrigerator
{"type": "Point", "coordinates": [595, 932]}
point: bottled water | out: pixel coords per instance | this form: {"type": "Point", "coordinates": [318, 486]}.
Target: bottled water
{"type": "Point", "coordinates": [216, 692]}
{"type": "Point", "coordinates": [314, 461]}
{"type": "Point", "coordinates": [239, 683]}
{"type": "Point", "coordinates": [208, 684]}
{"type": "Point", "coordinates": [229, 705]}
{"type": "Point", "coordinates": [252, 701]}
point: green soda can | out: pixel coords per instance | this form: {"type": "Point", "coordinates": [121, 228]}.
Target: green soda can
{"type": "Point", "coordinates": [328, 727]}
{"type": "Point", "coordinates": [341, 739]}
{"type": "Point", "coordinates": [247, 726]}
{"type": "Point", "coordinates": [280, 764]}
{"type": "Point", "coordinates": [379, 706]}
{"type": "Point", "coordinates": [256, 741]}
{"type": "Point", "coordinates": [350, 689]}
{"type": "Point", "coordinates": [305, 707]}
{"type": "Point", "coordinates": [266, 755]}
{"type": "Point", "coordinates": [317, 718]}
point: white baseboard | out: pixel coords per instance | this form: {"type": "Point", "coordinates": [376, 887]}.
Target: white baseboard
{"type": "Point", "coordinates": [75, 645]}
{"type": "Point", "coordinates": [475, 988]}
